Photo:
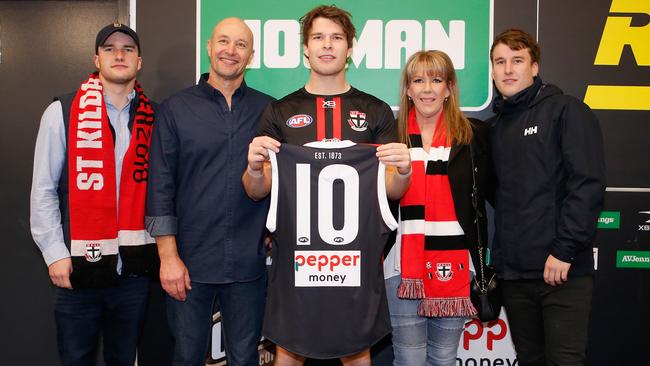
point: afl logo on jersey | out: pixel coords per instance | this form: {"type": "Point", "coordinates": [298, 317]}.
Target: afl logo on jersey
{"type": "Point", "coordinates": [299, 120]}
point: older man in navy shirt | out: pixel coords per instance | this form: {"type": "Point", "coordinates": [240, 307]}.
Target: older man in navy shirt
{"type": "Point", "coordinates": [209, 233]}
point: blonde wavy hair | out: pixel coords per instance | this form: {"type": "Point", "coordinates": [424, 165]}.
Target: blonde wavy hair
{"type": "Point", "coordinates": [433, 63]}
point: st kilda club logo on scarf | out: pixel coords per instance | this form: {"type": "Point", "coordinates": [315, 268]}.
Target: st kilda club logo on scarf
{"type": "Point", "coordinates": [443, 271]}
{"type": "Point", "coordinates": [93, 252]}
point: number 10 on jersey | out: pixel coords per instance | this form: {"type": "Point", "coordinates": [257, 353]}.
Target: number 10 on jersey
{"type": "Point", "coordinates": [324, 212]}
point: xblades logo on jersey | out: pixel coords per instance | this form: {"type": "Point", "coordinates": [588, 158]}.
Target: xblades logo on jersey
{"type": "Point", "coordinates": [329, 104]}
{"type": "Point", "coordinates": [358, 121]}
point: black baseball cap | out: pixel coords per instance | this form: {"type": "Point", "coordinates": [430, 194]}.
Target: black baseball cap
{"type": "Point", "coordinates": [112, 28]}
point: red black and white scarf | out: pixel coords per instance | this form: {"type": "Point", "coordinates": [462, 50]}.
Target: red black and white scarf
{"type": "Point", "coordinates": [100, 226]}
{"type": "Point", "coordinates": [434, 258]}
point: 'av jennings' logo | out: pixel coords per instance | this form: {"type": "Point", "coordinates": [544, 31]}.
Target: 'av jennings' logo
{"type": "Point", "coordinates": [609, 220]}
{"type": "Point", "coordinates": [386, 36]}
{"type": "Point", "coordinates": [632, 259]}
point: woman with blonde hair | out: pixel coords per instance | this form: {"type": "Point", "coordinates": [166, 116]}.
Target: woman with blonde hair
{"type": "Point", "coordinates": [429, 269]}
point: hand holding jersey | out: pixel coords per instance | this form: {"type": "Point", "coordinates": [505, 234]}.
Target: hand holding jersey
{"type": "Point", "coordinates": [257, 181]}
{"type": "Point", "coordinates": [257, 177]}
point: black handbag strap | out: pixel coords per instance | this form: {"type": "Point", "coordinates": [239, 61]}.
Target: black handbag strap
{"type": "Point", "coordinates": [482, 285]}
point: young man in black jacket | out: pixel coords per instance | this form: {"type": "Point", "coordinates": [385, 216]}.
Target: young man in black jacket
{"type": "Point", "coordinates": [548, 156]}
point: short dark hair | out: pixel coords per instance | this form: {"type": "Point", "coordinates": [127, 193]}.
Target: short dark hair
{"type": "Point", "coordinates": [333, 13]}
{"type": "Point", "coordinates": [517, 39]}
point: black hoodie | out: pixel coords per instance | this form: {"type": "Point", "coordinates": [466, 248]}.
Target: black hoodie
{"type": "Point", "coordinates": [547, 149]}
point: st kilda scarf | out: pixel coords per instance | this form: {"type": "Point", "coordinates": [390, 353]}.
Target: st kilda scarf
{"type": "Point", "coordinates": [100, 227]}
{"type": "Point", "coordinates": [434, 258]}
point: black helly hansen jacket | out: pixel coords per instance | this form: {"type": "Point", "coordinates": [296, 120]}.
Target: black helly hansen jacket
{"type": "Point", "coordinates": [547, 150]}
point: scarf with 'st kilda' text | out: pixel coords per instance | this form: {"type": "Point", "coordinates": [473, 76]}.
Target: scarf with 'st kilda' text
{"type": "Point", "coordinates": [100, 225]}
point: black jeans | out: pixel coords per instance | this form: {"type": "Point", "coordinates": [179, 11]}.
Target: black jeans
{"type": "Point", "coordinates": [549, 324]}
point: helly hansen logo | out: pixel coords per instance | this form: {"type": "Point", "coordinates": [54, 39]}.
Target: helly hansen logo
{"type": "Point", "coordinates": [530, 131]}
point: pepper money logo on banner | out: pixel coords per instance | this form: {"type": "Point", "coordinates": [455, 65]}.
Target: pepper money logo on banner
{"type": "Point", "coordinates": [487, 344]}
{"type": "Point", "coordinates": [387, 34]}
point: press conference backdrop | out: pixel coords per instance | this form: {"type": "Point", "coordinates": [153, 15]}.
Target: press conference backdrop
{"type": "Point", "coordinates": [598, 56]}
{"type": "Point", "coordinates": [596, 50]}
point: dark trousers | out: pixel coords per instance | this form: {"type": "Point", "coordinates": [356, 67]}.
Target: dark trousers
{"type": "Point", "coordinates": [117, 313]}
{"type": "Point", "coordinates": [242, 311]}
{"type": "Point", "coordinates": [549, 324]}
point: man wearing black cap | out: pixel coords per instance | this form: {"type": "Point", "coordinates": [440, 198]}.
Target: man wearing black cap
{"type": "Point", "coordinates": [87, 204]}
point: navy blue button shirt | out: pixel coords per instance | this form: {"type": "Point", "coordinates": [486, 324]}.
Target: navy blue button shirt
{"type": "Point", "coordinates": [197, 156]}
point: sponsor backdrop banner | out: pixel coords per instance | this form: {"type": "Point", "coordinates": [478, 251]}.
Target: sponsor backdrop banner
{"type": "Point", "coordinates": [386, 36]}
{"type": "Point", "coordinates": [594, 50]}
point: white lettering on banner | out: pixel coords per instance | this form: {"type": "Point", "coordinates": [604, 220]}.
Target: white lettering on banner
{"type": "Point", "coordinates": [394, 39]}
{"type": "Point", "coordinates": [435, 38]}
{"type": "Point", "coordinates": [635, 259]}
{"type": "Point", "coordinates": [289, 55]}
{"type": "Point", "coordinates": [365, 46]}
{"type": "Point", "coordinates": [411, 31]}
{"type": "Point", "coordinates": [256, 27]}
{"type": "Point", "coordinates": [327, 268]}
{"type": "Point", "coordinates": [605, 220]}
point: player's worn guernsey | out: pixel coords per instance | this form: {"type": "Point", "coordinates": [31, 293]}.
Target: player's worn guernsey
{"type": "Point", "coordinates": [302, 117]}
{"type": "Point", "coordinates": [330, 218]}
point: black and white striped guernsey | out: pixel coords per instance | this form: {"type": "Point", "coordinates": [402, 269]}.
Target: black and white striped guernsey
{"type": "Point", "coordinates": [330, 218]}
